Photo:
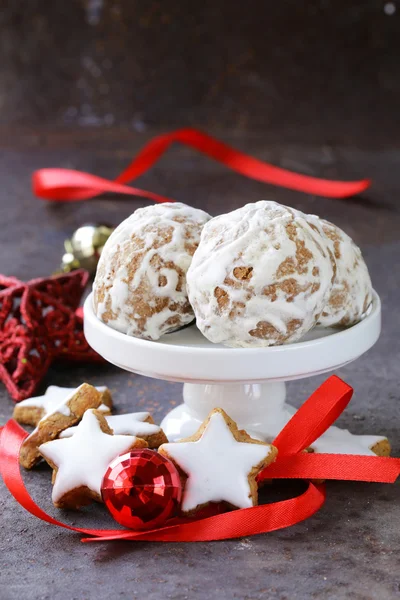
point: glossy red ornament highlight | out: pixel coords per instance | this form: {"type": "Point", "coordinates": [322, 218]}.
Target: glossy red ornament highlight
{"type": "Point", "coordinates": [141, 489]}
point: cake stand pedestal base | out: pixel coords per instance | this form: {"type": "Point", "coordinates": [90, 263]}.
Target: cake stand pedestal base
{"type": "Point", "coordinates": [259, 408]}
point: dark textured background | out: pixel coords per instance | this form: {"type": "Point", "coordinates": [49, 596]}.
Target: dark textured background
{"type": "Point", "coordinates": [311, 86]}
{"type": "Point", "coordinates": [263, 65]}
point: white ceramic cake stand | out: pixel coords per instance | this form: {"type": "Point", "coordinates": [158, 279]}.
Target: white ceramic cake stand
{"type": "Point", "coordinates": [248, 383]}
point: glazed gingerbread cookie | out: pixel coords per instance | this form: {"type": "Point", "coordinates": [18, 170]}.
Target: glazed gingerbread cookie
{"type": "Point", "coordinates": [80, 462]}
{"type": "Point", "coordinates": [32, 410]}
{"type": "Point", "coordinates": [221, 463]}
{"type": "Point", "coordinates": [140, 424]}
{"type": "Point", "coordinates": [140, 284]}
{"type": "Point", "coordinates": [261, 276]}
{"type": "Point", "coordinates": [68, 412]}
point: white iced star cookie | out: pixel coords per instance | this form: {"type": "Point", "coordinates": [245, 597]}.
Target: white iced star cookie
{"type": "Point", "coordinates": [341, 441]}
{"type": "Point", "coordinates": [81, 460]}
{"type": "Point", "coordinates": [31, 410]}
{"type": "Point", "coordinates": [221, 463]}
{"type": "Point", "coordinates": [140, 424]}
{"type": "Point", "coordinates": [68, 412]}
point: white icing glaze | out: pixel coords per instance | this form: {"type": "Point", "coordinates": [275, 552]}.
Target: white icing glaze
{"type": "Point", "coordinates": [82, 460]}
{"type": "Point", "coordinates": [128, 424]}
{"type": "Point", "coordinates": [51, 398]}
{"type": "Point", "coordinates": [54, 397]}
{"type": "Point", "coordinates": [334, 441]}
{"type": "Point", "coordinates": [258, 236]}
{"type": "Point", "coordinates": [351, 294]}
{"type": "Point", "coordinates": [217, 466]}
{"type": "Point", "coordinates": [341, 441]}
{"type": "Point", "coordinates": [124, 294]}
{"type": "Point", "coordinates": [62, 406]}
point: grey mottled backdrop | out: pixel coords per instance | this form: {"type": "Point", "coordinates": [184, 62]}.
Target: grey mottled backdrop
{"type": "Point", "coordinates": [328, 65]}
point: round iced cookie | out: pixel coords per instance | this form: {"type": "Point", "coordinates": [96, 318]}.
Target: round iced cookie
{"type": "Point", "coordinates": [351, 294]}
{"type": "Point", "coordinates": [140, 285]}
{"type": "Point", "coordinates": [260, 276]}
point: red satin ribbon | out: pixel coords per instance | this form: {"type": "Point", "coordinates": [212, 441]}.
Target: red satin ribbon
{"type": "Point", "coordinates": [238, 523]}
{"type": "Point", "coordinates": [66, 184]}
{"type": "Point", "coordinates": [314, 417]}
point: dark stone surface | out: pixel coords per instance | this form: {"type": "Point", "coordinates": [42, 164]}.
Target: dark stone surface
{"type": "Point", "coordinates": [351, 548]}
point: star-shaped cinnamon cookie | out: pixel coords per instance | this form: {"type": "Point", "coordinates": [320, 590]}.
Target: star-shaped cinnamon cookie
{"type": "Point", "coordinates": [81, 461]}
{"type": "Point", "coordinates": [32, 410]}
{"type": "Point", "coordinates": [220, 462]}
{"type": "Point", "coordinates": [67, 413]}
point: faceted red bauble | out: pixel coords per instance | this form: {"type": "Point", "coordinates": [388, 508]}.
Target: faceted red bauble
{"type": "Point", "coordinates": [141, 489]}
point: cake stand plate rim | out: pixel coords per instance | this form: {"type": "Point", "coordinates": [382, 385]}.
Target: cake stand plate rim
{"type": "Point", "coordinates": [174, 360]}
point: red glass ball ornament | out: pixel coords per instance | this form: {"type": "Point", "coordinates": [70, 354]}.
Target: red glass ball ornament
{"type": "Point", "coordinates": [141, 489]}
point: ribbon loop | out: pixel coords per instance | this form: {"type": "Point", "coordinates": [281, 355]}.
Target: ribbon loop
{"type": "Point", "coordinates": [67, 184]}
{"type": "Point", "coordinates": [312, 419]}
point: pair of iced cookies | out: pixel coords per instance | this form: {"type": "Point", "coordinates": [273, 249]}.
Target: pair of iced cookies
{"type": "Point", "coordinates": [80, 454]}
{"type": "Point", "coordinates": [220, 463]}
{"type": "Point", "coordinates": [261, 275]}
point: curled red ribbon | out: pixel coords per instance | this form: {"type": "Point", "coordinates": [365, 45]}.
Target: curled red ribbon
{"type": "Point", "coordinates": [312, 419]}
{"type": "Point", "coordinates": [67, 184]}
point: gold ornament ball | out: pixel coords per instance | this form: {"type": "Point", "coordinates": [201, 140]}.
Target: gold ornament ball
{"type": "Point", "coordinates": [83, 249]}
